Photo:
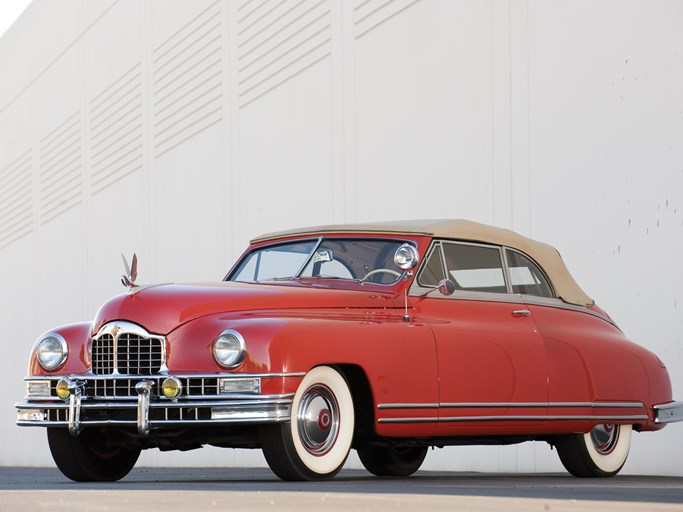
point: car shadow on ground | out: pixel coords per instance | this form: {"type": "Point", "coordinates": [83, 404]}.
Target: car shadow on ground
{"type": "Point", "coordinates": [627, 488]}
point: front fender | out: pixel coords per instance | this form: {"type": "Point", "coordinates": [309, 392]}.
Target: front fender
{"type": "Point", "coordinates": [78, 338]}
{"type": "Point", "coordinates": [399, 358]}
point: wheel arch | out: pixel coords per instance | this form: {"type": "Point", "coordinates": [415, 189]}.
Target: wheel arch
{"type": "Point", "coordinates": [363, 400]}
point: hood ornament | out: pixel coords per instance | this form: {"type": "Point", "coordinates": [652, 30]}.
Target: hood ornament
{"type": "Point", "coordinates": [128, 279]}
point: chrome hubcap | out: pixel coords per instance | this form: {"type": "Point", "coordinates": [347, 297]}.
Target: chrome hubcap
{"type": "Point", "coordinates": [318, 419]}
{"type": "Point", "coordinates": [605, 438]}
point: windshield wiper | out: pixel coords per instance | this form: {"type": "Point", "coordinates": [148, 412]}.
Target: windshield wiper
{"type": "Point", "coordinates": [310, 278]}
{"type": "Point", "coordinates": [326, 277]}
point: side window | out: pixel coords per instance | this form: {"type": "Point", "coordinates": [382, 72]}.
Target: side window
{"type": "Point", "coordinates": [475, 268]}
{"type": "Point", "coordinates": [432, 272]}
{"type": "Point", "coordinates": [525, 277]}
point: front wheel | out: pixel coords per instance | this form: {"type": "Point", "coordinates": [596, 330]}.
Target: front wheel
{"type": "Point", "coordinates": [599, 453]}
{"type": "Point", "coordinates": [314, 444]}
{"type": "Point", "coordinates": [390, 461]}
{"type": "Point", "coordinates": [90, 457]}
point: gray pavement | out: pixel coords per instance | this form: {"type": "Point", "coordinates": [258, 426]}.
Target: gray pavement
{"type": "Point", "coordinates": [189, 489]}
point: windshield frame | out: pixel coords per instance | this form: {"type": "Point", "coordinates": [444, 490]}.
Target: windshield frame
{"type": "Point", "coordinates": [297, 278]}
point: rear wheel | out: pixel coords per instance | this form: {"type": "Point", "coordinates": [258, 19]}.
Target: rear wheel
{"type": "Point", "coordinates": [601, 452]}
{"type": "Point", "coordinates": [314, 444]}
{"type": "Point", "coordinates": [390, 461]}
{"type": "Point", "coordinates": [90, 457]}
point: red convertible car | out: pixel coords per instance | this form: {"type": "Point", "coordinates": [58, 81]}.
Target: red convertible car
{"type": "Point", "coordinates": [387, 338]}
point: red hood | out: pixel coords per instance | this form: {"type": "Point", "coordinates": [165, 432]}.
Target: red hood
{"type": "Point", "coordinates": [161, 309]}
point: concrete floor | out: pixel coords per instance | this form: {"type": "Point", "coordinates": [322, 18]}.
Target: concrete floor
{"type": "Point", "coordinates": [199, 489]}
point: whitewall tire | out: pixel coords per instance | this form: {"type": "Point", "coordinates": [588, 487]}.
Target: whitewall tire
{"type": "Point", "coordinates": [316, 441]}
{"type": "Point", "coordinates": [601, 452]}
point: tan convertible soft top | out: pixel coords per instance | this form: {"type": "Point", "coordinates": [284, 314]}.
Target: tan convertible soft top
{"type": "Point", "coordinates": [546, 256]}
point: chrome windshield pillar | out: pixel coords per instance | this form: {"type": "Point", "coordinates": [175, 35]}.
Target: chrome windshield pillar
{"type": "Point", "coordinates": [144, 390]}
{"type": "Point", "coordinates": [75, 393]}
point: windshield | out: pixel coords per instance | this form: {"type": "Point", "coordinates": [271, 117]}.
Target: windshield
{"type": "Point", "coordinates": [363, 259]}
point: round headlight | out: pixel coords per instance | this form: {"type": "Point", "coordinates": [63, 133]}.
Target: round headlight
{"type": "Point", "coordinates": [229, 348]}
{"type": "Point", "coordinates": [51, 352]}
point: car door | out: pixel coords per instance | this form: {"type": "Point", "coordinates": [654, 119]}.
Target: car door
{"type": "Point", "coordinates": [491, 358]}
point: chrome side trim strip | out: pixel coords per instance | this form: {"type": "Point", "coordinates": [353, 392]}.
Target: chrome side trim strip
{"type": "Point", "coordinates": [511, 405]}
{"type": "Point", "coordinates": [409, 420]}
{"type": "Point", "coordinates": [459, 419]}
{"type": "Point", "coordinates": [668, 413]}
{"type": "Point", "coordinates": [542, 418]}
{"type": "Point", "coordinates": [408, 406]}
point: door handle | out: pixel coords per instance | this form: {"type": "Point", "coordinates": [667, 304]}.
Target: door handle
{"type": "Point", "coordinates": [520, 313]}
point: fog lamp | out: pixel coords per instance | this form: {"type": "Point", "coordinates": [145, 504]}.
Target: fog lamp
{"type": "Point", "coordinates": [171, 387]}
{"type": "Point", "coordinates": [63, 389]}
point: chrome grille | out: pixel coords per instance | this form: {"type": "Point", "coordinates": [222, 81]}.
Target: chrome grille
{"type": "Point", "coordinates": [125, 388]}
{"type": "Point", "coordinates": [201, 386]}
{"type": "Point", "coordinates": [103, 355]}
{"type": "Point", "coordinates": [137, 355]}
{"type": "Point", "coordinates": [112, 388]}
{"type": "Point", "coordinates": [127, 349]}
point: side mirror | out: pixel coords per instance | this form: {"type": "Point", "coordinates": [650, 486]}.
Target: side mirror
{"type": "Point", "coordinates": [406, 257]}
{"type": "Point", "coordinates": [446, 287]}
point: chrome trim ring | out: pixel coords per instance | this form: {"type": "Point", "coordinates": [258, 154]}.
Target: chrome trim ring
{"type": "Point", "coordinates": [65, 350]}
{"type": "Point", "coordinates": [605, 438]}
{"type": "Point", "coordinates": [242, 348]}
{"type": "Point", "coordinates": [318, 419]}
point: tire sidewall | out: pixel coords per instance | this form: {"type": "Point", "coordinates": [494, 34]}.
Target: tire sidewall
{"type": "Point", "coordinates": [612, 462]}
{"type": "Point", "coordinates": [335, 457]}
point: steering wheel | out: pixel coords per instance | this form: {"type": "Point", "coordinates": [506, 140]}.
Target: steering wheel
{"type": "Point", "coordinates": [378, 270]}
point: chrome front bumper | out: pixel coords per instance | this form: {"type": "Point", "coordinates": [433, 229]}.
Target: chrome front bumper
{"type": "Point", "coordinates": [668, 413]}
{"type": "Point", "coordinates": [147, 410]}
